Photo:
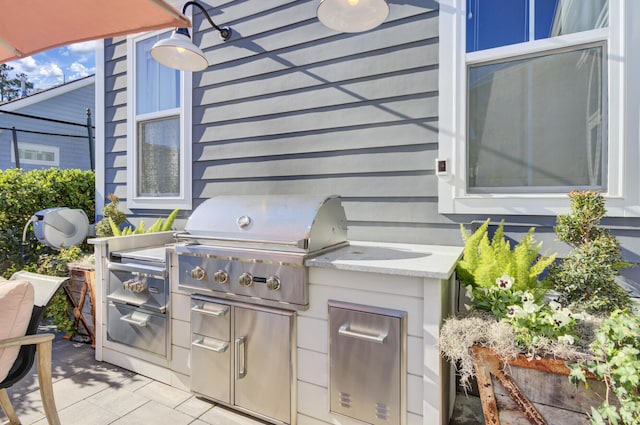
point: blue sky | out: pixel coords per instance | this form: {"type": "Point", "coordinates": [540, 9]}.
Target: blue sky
{"type": "Point", "coordinates": [59, 65]}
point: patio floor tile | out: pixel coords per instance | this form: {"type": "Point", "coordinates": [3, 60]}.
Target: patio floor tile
{"type": "Point", "coordinates": [164, 394]}
{"type": "Point", "coordinates": [118, 400]}
{"type": "Point", "coordinates": [156, 414]}
{"type": "Point", "coordinates": [195, 407]}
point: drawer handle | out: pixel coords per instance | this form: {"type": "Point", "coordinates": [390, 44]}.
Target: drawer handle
{"type": "Point", "coordinates": [141, 320]}
{"type": "Point", "coordinates": [218, 313]}
{"type": "Point", "coordinates": [219, 349]}
{"type": "Point", "coordinates": [345, 331]}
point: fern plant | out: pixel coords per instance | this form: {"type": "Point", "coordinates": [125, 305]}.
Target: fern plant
{"type": "Point", "coordinates": [486, 260]}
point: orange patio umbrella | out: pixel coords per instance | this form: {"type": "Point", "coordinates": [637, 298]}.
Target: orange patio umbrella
{"type": "Point", "coordinates": [28, 27]}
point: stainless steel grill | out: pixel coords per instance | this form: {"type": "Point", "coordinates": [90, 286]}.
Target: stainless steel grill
{"type": "Point", "coordinates": [240, 257]}
{"type": "Point", "coordinates": [253, 248]}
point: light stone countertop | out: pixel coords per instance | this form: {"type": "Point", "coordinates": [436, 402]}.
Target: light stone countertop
{"type": "Point", "coordinates": [430, 261]}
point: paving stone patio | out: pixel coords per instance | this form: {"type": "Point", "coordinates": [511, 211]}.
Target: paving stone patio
{"type": "Point", "coordinates": [88, 392]}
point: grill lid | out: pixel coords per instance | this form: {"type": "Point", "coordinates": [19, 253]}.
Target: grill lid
{"type": "Point", "coordinates": [280, 222]}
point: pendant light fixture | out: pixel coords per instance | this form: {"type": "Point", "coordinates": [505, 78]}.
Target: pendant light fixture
{"type": "Point", "coordinates": [179, 52]}
{"type": "Point", "coordinates": [352, 15]}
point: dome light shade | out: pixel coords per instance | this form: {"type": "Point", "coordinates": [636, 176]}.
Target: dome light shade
{"type": "Point", "coordinates": [352, 15]}
{"type": "Point", "coordinates": [179, 52]}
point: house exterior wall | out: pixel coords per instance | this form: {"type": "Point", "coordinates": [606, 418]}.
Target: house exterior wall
{"type": "Point", "coordinates": [69, 105]}
{"type": "Point", "coordinates": [288, 106]}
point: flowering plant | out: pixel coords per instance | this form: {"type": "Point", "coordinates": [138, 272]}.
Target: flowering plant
{"type": "Point", "coordinates": [535, 322]}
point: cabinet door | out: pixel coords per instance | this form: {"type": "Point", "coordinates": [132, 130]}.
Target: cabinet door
{"type": "Point", "coordinates": [263, 366]}
{"type": "Point", "coordinates": [365, 365]}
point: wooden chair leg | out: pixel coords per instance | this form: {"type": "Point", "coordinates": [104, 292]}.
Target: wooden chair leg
{"type": "Point", "coordinates": [5, 403]}
{"type": "Point", "coordinates": [43, 354]}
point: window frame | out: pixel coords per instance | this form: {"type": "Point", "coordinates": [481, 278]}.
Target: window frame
{"type": "Point", "coordinates": [453, 197]}
{"type": "Point", "coordinates": [55, 150]}
{"type": "Point", "coordinates": [184, 199]}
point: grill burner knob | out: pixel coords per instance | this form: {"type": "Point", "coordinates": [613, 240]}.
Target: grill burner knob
{"type": "Point", "coordinates": [198, 273]}
{"type": "Point", "coordinates": [133, 285]}
{"type": "Point", "coordinates": [273, 283]}
{"type": "Point", "coordinates": [245, 279]}
{"type": "Point", "coordinates": [221, 276]}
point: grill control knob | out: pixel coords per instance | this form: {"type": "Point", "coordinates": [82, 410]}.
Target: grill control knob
{"type": "Point", "coordinates": [221, 276]}
{"type": "Point", "coordinates": [273, 283]}
{"type": "Point", "coordinates": [245, 279]}
{"type": "Point", "coordinates": [198, 273]}
{"type": "Point", "coordinates": [133, 285]}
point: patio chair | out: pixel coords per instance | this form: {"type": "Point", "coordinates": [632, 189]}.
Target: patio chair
{"type": "Point", "coordinates": [23, 299]}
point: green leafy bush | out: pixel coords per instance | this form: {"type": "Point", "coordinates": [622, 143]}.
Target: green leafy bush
{"type": "Point", "coordinates": [586, 277]}
{"type": "Point", "coordinates": [617, 363]}
{"type": "Point", "coordinates": [113, 219]}
{"type": "Point", "coordinates": [111, 216]}
{"type": "Point", "coordinates": [26, 192]}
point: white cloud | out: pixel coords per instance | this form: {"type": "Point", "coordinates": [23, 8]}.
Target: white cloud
{"type": "Point", "coordinates": [50, 72]}
{"type": "Point", "coordinates": [83, 50]}
{"type": "Point", "coordinates": [26, 65]}
{"type": "Point", "coordinates": [79, 70]}
{"type": "Point", "coordinates": [57, 65]}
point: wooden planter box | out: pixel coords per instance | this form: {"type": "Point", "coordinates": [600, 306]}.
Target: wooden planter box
{"type": "Point", "coordinates": [80, 290]}
{"type": "Point", "coordinates": [536, 391]}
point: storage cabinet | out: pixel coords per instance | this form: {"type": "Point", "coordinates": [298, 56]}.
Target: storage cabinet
{"type": "Point", "coordinates": [243, 356]}
{"type": "Point", "coordinates": [367, 366]}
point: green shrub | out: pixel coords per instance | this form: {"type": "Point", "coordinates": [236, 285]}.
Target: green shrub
{"type": "Point", "coordinates": [586, 277]}
{"type": "Point", "coordinates": [26, 192]}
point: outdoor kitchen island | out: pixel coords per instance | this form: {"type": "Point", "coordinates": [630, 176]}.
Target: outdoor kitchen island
{"type": "Point", "coordinates": [416, 279]}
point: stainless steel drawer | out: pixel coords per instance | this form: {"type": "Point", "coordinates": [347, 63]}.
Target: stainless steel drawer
{"type": "Point", "coordinates": [211, 368]}
{"type": "Point", "coordinates": [137, 328]}
{"type": "Point", "coordinates": [211, 319]}
{"type": "Point", "coordinates": [138, 285]}
{"type": "Point", "coordinates": [367, 363]}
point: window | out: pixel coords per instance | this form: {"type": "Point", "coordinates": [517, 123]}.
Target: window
{"type": "Point", "coordinates": [159, 122]}
{"type": "Point", "coordinates": [531, 104]}
{"type": "Point", "coordinates": [37, 154]}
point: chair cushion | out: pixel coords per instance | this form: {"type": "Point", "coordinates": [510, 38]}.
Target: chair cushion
{"type": "Point", "coordinates": [16, 305]}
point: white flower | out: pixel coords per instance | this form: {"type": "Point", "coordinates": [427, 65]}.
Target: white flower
{"type": "Point", "coordinates": [527, 296]}
{"type": "Point", "coordinates": [467, 307]}
{"type": "Point", "coordinates": [504, 282]}
{"type": "Point", "coordinates": [561, 317]}
{"type": "Point", "coordinates": [469, 292]}
{"type": "Point", "coordinates": [566, 339]}
{"type": "Point", "coordinates": [555, 306]}
{"type": "Point", "coordinates": [530, 307]}
{"type": "Point", "coordinates": [514, 311]}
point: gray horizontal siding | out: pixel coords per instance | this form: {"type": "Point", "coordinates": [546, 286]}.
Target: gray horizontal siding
{"type": "Point", "coordinates": [289, 106]}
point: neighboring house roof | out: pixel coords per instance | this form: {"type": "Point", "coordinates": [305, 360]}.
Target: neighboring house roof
{"type": "Point", "coordinates": [47, 93]}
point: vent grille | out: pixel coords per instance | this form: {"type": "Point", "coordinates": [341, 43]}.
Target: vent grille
{"type": "Point", "coordinates": [344, 399]}
{"type": "Point", "coordinates": [382, 411]}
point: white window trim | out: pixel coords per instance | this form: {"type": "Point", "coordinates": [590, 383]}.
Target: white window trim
{"type": "Point", "coordinates": [36, 147]}
{"type": "Point", "coordinates": [623, 193]}
{"type": "Point", "coordinates": [183, 201]}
